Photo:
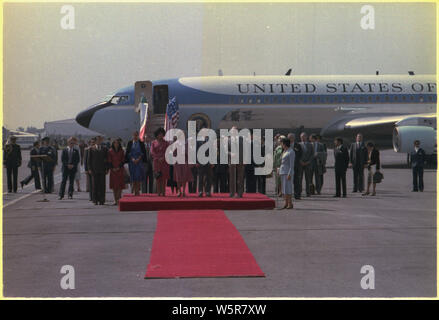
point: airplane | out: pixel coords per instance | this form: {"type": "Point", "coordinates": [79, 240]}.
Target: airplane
{"type": "Point", "coordinates": [391, 110]}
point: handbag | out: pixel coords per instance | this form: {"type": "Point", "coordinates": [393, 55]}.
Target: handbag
{"type": "Point", "coordinates": [377, 177]}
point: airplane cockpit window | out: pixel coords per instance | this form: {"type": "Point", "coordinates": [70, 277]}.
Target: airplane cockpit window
{"type": "Point", "coordinates": [120, 100]}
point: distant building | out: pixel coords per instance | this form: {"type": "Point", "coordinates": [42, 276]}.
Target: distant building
{"type": "Point", "coordinates": [67, 128]}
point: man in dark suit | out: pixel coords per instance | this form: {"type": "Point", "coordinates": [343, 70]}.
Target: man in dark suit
{"type": "Point", "coordinates": [305, 163]}
{"type": "Point", "coordinates": [220, 177]}
{"type": "Point", "coordinates": [12, 160]}
{"type": "Point", "coordinates": [318, 162]}
{"type": "Point", "coordinates": [236, 170]}
{"type": "Point", "coordinates": [205, 173]}
{"type": "Point", "coordinates": [48, 164]}
{"type": "Point", "coordinates": [89, 182]}
{"type": "Point", "coordinates": [34, 165]}
{"type": "Point", "coordinates": [358, 159]}
{"type": "Point", "coordinates": [417, 159]}
{"type": "Point", "coordinates": [298, 154]}
{"type": "Point", "coordinates": [97, 165]}
{"type": "Point", "coordinates": [319, 140]}
{"type": "Point", "coordinates": [261, 180]}
{"type": "Point", "coordinates": [249, 171]}
{"type": "Point", "coordinates": [148, 183]}
{"type": "Point", "coordinates": [70, 158]}
{"type": "Point", "coordinates": [341, 157]}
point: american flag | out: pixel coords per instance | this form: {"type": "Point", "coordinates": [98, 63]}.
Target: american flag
{"type": "Point", "coordinates": [172, 114]}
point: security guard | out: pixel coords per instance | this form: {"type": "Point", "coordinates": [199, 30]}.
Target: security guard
{"type": "Point", "coordinates": [48, 164]}
{"type": "Point", "coordinates": [12, 160]}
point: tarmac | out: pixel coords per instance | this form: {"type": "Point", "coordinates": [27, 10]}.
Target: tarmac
{"type": "Point", "coordinates": [315, 250]}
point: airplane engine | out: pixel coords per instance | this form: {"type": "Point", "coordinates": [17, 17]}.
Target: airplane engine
{"type": "Point", "coordinates": [403, 138]}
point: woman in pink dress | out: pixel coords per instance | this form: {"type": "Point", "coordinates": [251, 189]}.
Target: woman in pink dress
{"type": "Point", "coordinates": [182, 172]}
{"type": "Point", "coordinates": [116, 160]}
{"type": "Point", "coordinates": [160, 166]}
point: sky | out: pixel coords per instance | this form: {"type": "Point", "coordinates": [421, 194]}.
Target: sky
{"type": "Point", "coordinates": [52, 74]}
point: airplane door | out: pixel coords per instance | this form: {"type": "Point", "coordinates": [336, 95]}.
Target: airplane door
{"type": "Point", "coordinates": [161, 99]}
{"type": "Point", "coordinates": [142, 88]}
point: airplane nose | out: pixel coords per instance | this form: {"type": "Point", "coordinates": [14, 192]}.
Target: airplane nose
{"type": "Point", "coordinates": [84, 117]}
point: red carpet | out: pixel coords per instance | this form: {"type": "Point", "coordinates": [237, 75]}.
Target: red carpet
{"type": "Point", "coordinates": [151, 202]}
{"type": "Point", "coordinates": [193, 243]}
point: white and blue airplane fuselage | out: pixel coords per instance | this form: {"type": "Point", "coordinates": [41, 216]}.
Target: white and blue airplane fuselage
{"type": "Point", "coordinates": [328, 105]}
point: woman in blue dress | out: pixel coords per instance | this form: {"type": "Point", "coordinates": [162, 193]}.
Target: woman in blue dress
{"type": "Point", "coordinates": [135, 155]}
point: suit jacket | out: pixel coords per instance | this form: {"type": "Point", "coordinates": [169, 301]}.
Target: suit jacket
{"type": "Point", "coordinates": [298, 154]}
{"type": "Point", "coordinates": [129, 147]}
{"type": "Point", "coordinates": [358, 155]}
{"type": "Point", "coordinates": [34, 162]}
{"type": "Point", "coordinates": [341, 157]}
{"type": "Point", "coordinates": [374, 159]}
{"type": "Point", "coordinates": [320, 154]}
{"type": "Point", "coordinates": [307, 151]}
{"type": "Point", "coordinates": [12, 155]}
{"type": "Point", "coordinates": [97, 160]}
{"type": "Point", "coordinates": [240, 143]}
{"type": "Point", "coordinates": [287, 163]}
{"type": "Point", "coordinates": [51, 152]}
{"type": "Point", "coordinates": [417, 158]}
{"type": "Point", "coordinates": [148, 158]}
{"type": "Point", "coordinates": [74, 160]}
{"type": "Point", "coordinates": [86, 159]}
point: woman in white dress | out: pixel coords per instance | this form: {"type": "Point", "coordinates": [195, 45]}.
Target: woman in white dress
{"type": "Point", "coordinates": [286, 172]}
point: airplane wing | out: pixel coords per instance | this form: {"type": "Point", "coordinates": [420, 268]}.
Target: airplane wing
{"type": "Point", "coordinates": [398, 120]}
{"type": "Point", "coordinates": [387, 130]}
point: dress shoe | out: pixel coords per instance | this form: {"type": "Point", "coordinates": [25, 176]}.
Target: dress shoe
{"type": "Point", "coordinates": [208, 195]}
{"type": "Point", "coordinates": [200, 195]}
{"type": "Point", "coordinates": [344, 196]}
{"type": "Point", "coordinates": [60, 198]}
{"type": "Point", "coordinates": [22, 184]}
{"type": "Point", "coordinates": [336, 196]}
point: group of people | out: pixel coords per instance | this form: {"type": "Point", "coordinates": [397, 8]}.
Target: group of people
{"type": "Point", "coordinates": [307, 158]}
{"type": "Point", "coordinates": [149, 172]}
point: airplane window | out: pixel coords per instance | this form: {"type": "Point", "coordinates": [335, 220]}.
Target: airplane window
{"type": "Point", "coordinates": [387, 98]}
{"type": "Point", "coordinates": [421, 99]}
{"type": "Point", "coordinates": [396, 98]}
{"type": "Point", "coordinates": [412, 98]}
{"type": "Point", "coordinates": [250, 100]}
{"type": "Point", "coordinates": [318, 99]}
{"type": "Point", "coordinates": [242, 100]}
{"type": "Point", "coordinates": [404, 98]}
{"type": "Point", "coordinates": [115, 100]}
{"type": "Point", "coordinates": [369, 99]}
{"type": "Point", "coordinates": [120, 99]}
{"type": "Point", "coordinates": [430, 98]}
{"type": "Point", "coordinates": [266, 100]}
{"type": "Point", "coordinates": [258, 100]}
{"type": "Point", "coordinates": [301, 99]}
